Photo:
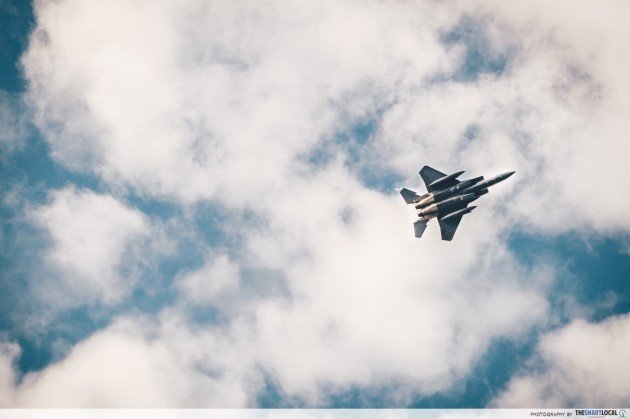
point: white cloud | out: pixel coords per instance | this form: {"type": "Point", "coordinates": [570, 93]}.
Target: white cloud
{"type": "Point", "coordinates": [8, 354]}
{"type": "Point", "coordinates": [583, 364]}
{"type": "Point", "coordinates": [556, 114]}
{"type": "Point", "coordinates": [93, 240]}
{"type": "Point", "coordinates": [380, 312]}
{"type": "Point", "coordinates": [136, 363]}
{"type": "Point", "coordinates": [370, 305]}
{"type": "Point", "coordinates": [190, 115]}
{"type": "Point", "coordinates": [204, 285]}
{"type": "Point", "coordinates": [223, 102]}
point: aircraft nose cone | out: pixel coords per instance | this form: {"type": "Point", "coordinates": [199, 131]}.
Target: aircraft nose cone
{"type": "Point", "coordinates": [505, 175]}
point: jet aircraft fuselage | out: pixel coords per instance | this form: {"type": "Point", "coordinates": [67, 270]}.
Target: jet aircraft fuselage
{"type": "Point", "coordinates": [447, 199]}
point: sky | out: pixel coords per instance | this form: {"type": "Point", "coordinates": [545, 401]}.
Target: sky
{"type": "Point", "coordinates": [199, 204]}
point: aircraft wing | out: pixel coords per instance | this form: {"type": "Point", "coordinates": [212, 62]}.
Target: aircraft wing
{"type": "Point", "coordinates": [449, 226]}
{"type": "Point", "coordinates": [430, 175]}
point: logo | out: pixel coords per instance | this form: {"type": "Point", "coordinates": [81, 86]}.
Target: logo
{"type": "Point", "coordinates": [598, 412]}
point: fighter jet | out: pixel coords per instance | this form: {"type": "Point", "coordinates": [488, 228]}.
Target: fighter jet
{"type": "Point", "coordinates": [447, 199]}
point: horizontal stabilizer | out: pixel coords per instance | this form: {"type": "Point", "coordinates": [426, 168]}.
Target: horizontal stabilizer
{"type": "Point", "coordinates": [419, 227]}
{"type": "Point", "coordinates": [409, 196]}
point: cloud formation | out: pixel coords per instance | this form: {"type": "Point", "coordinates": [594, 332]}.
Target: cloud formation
{"type": "Point", "coordinates": [134, 363]}
{"type": "Point", "coordinates": [208, 99]}
{"type": "Point", "coordinates": [206, 284]}
{"type": "Point", "coordinates": [93, 239]}
{"type": "Point", "coordinates": [8, 354]}
{"type": "Point", "coordinates": [583, 364]}
{"type": "Point", "coordinates": [292, 121]}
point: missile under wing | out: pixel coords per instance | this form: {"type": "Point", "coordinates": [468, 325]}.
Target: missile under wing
{"type": "Point", "coordinates": [449, 223]}
{"type": "Point", "coordinates": [434, 179]}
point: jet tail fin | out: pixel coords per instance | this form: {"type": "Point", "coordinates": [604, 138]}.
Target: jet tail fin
{"type": "Point", "coordinates": [409, 196]}
{"type": "Point", "coordinates": [419, 227]}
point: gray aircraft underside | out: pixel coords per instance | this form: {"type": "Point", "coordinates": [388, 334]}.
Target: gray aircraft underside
{"type": "Point", "coordinates": [447, 199]}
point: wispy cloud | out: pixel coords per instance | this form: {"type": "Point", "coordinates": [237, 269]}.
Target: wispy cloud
{"type": "Point", "coordinates": [14, 124]}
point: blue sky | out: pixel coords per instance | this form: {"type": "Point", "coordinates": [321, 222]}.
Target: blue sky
{"type": "Point", "coordinates": [237, 229]}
